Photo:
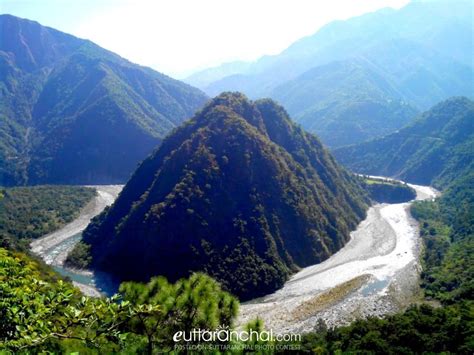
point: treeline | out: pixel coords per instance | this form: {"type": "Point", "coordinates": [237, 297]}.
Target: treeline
{"type": "Point", "coordinates": [419, 330]}
{"type": "Point", "coordinates": [446, 227]}
{"type": "Point", "coordinates": [39, 312]}
{"type": "Point", "coordinates": [388, 191]}
{"type": "Point", "coordinates": [30, 212]}
{"type": "Point", "coordinates": [39, 316]}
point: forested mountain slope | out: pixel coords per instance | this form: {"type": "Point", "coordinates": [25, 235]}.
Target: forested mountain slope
{"type": "Point", "coordinates": [364, 77]}
{"type": "Point", "coordinates": [72, 112]}
{"type": "Point", "coordinates": [239, 192]}
{"type": "Point", "coordinates": [435, 149]}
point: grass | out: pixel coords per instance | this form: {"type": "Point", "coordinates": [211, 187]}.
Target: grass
{"type": "Point", "coordinates": [372, 181]}
{"type": "Point", "coordinates": [329, 298]}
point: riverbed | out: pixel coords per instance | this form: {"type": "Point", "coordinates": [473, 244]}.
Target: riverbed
{"type": "Point", "coordinates": [54, 247]}
{"type": "Point", "coordinates": [375, 273]}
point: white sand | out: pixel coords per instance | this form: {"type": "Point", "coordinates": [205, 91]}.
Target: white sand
{"type": "Point", "coordinates": [385, 246]}
{"type": "Point", "coordinates": [45, 246]}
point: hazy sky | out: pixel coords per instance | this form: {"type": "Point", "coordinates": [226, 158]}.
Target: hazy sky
{"type": "Point", "coordinates": [178, 36]}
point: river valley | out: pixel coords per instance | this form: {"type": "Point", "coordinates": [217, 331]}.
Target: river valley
{"type": "Point", "coordinates": [376, 273]}
{"type": "Point", "coordinates": [54, 247]}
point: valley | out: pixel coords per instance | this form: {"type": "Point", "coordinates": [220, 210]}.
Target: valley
{"type": "Point", "coordinates": [384, 251]}
{"type": "Point", "coordinates": [165, 179]}
{"type": "Point", "coordinates": [53, 248]}
{"type": "Point", "coordinates": [382, 256]}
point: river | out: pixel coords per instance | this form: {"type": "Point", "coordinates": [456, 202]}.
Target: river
{"type": "Point", "coordinates": [375, 273]}
{"type": "Point", "coordinates": [54, 247]}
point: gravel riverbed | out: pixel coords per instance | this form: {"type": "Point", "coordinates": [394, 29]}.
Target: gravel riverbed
{"type": "Point", "coordinates": [54, 247]}
{"type": "Point", "coordinates": [376, 273]}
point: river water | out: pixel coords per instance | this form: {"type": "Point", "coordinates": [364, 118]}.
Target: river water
{"type": "Point", "coordinates": [377, 271]}
{"type": "Point", "coordinates": [54, 247]}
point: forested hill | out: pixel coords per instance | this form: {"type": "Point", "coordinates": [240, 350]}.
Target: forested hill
{"type": "Point", "coordinates": [346, 102]}
{"type": "Point", "coordinates": [435, 149]}
{"type": "Point", "coordinates": [72, 112]}
{"type": "Point", "coordinates": [238, 192]}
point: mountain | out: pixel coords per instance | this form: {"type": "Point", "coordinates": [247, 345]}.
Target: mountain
{"type": "Point", "coordinates": [238, 192]}
{"type": "Point", "coordinates": [72, 112]}
{"type": "Point", "coordinates": [423, 52]}
{"type": "Point", "coordinates": [347, 102]}
{"type": "Point", "coordinates": [435, 149]}
{"type": "Point", "coordinates": [207, 76]}
{"type": "Point", "coordinates": [445, 28]}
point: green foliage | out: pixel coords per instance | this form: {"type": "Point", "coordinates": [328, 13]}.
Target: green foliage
{"type": "Point", "coordinates": [38, 315]}
{"type": "Point", "coordinates": [238, 192]}
{"type": "Point", "coordinates": [419, 330]}
{"type": "Point", "coordinates": [194, 303]}
{"type": "Point", "coordinates": [345, 103]}
{"type": "Point", "coordinates": [31, 212]}
{"type": "Point", "coordinates": [253, 343]}
{"type": "Point", "coordinates": [447, 229]}
{"type": "Point", "coordinates": [79, 257]}
{"type": "Point", "coordinates": [389, 191]}
{"type": "Point", "coordinates": [434, 150]}
{"type": "Point", "coordinates": [72, 112]}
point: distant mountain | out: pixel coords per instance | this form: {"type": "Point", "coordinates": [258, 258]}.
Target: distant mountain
{"type": "Point", "coordinates": [435, 149]}
{"type": "Point", "coordinates": [207, 76]}
{"type": "Point", "coordinates": [347, 102]}
{"type": "Point", "coordinates": [239, 192]}
{"type": "Point", "coordinates": [423, 52]}
{"type": "Point", "coordinates": [72, 112]}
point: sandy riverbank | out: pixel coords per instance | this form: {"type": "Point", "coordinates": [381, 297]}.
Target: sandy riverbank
{"type": "Point", "coordinates": [374, 274]}
{"type": "Point", "coordinates": [45, 246]}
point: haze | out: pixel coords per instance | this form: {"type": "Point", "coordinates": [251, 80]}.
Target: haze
{"type": "Point", "coordinates": [182, 36]}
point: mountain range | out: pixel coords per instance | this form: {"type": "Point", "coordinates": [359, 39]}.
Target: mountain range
{"type": "Point", "coordinates": [239, 192]}
{"type": "Point", "coordinates": [73, 112]}
{"type": "Point", "coordinates": [435, 149]}
{"type": "Point", "coordinates": [327, 80]}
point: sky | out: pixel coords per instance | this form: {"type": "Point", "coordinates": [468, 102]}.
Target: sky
{"type": "Point", "coordinates": [178, 37]}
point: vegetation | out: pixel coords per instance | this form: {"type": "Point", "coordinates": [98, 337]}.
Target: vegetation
{"type": "Point", "coordinates": [30, 212]}
{"type": "Point", "coordinates": [419, 330]}
{"type": "Point", "coordinates": [448, 270]}
{"type": "Point", "coordinates": [40, 312]}
{"type": "Point", "coordinates": [345, 102]}
{"type": "Point", "coordinates": [37, 315]}
{"type": "Point", "coordinates": [72, 112]}
{"type": "Point", "coordinates": [389, 191]}
{"type": "Point", "coordinates": [435, 149]}
{"type": "Point", "coordinates": [194, 303]}
{"type": "Point", "coordinates": [238, 192]}
{"type": "Point", "coordinates": [329, 298]}
{"type": "Point", "coordinates": [365, 77]}
{"type": "Point", "coordinates": [80, 257]}
{"type": "Point", "coordinates": [447, 229]}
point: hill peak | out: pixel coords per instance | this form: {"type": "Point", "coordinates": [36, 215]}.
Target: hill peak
{"type": "Point", "coordinates": [239, 192]}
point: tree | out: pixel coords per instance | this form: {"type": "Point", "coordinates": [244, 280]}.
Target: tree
{"type": "Point", "coordinates": [196, 302]}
